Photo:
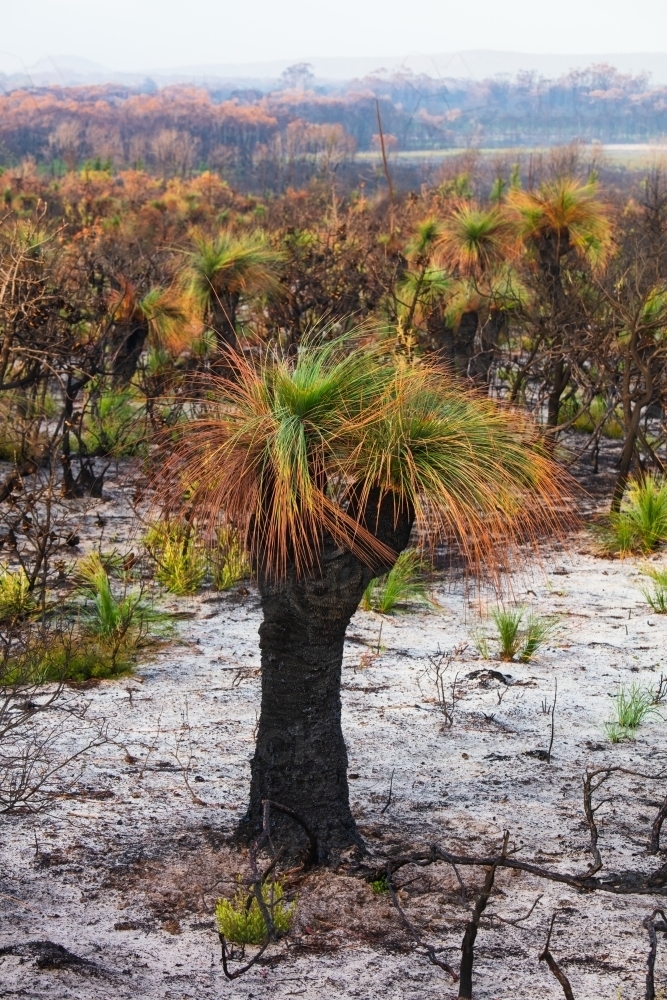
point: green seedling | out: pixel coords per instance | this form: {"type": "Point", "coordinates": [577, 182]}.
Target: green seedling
{"type": "Point", "coordinates": [240, 919]}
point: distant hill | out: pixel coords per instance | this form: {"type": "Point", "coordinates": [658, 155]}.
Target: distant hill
{"type": "Point", "coordinates": [469, 65]}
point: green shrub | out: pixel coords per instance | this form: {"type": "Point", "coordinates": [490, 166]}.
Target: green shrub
{"type": "Point", "coordinates": [631, 707]}
{"type": "Point", "coordinates": [587, 421]}
{"type": "Point", "coordinates": [16, 600]}
{"type": "Point", "coordinates": [229, 562]}
{"type": "Point", "coordinates": [112, 424]}
{"type": "Point", "coordinates": [240, 919]}
{"type": "Point", "coordinates": [657, 595]}
{"type": "Point", "coordinates": [179, 555]}
{"type": "Point", "coordinates": [641, 524]}
{"type": "Point", "coordinates": [403, 584]}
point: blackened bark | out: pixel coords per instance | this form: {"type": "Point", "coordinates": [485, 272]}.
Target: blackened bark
{"type": "Point", "coordinates": [300, 757]}
{"type": "Point", "coordinates": [560, 379]}
{"type": "Point", "coordinates": [130, 340]}
{"type": "Point", "coordinates": [464, 343]}
{"type": "Point", "coordinates": [223, 317]}
{"type": "Point", "coordinates": [479, 367]}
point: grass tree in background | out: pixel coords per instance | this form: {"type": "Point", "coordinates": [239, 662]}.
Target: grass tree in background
{"type": "Point", "coordinates": [324, 464]}
{"type": "Point", "coordinates": [564, 217]}
{"type": "Point", "coordinates": [222, 270]}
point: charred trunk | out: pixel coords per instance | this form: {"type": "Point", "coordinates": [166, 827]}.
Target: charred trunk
{"type": "Point", "coordinates": [223, 318]}
{"type": "Point", "coordinates": [300, 756]}
{"type": "Point", "coordinates": [130, 340]}
{"type": "Point", "coordinates": [464, 343]}
{"type": "Point", "coordinates": [479, 367]}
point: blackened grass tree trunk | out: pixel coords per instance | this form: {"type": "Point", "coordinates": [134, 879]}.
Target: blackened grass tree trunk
{"type": "Point", "coordinates": [300, 757]}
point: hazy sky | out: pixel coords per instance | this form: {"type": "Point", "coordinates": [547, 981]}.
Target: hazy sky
{"type": "Point", "coordinates": [141, 35]}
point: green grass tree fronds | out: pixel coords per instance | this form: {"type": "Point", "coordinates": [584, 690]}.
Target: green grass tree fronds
{"type": "Point", "coordinates": [403, 584]}
{"type": "Point", "coordinates": [119, 623]}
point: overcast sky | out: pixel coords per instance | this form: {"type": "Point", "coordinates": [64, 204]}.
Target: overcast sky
{"type": "Point", "coordinates": [144, 35]}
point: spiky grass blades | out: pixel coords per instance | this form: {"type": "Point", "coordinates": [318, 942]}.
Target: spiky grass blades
{"type": "Point", "coordinates": [403, 584]}
{"type": "Point", "coordinates": [296, 449]}
{"type": "Point", "coordinates": [656, 596]}
{"type": "Point", "coordinates": [229, 263]}
{"type": "Point", "coordinates": [641, 524]}
{"type": "Point", "coordinates": [473, 238]}
{"type": "Point", "coordinates": [568, 208]}
{"type": "Point", "coordinates": [632, 705]}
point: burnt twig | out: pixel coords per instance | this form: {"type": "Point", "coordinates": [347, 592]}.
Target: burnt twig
{"type": "Point", "coordinates": [388, 802]}
{"type": "Point", "coordinates": [553, 720]}
{"type": "Point", "coordinates": [652, 925]}
{"type": "Point", "coordinates": [468, 943]}
{"type": "Point", "coordinates": [429, 950]}
{"type": "Point", "coordinates": [517, 920]}
{"type": "Point", "coordinates": [547, 957]}
{"type": "Point", "coordinates": [654, 843]}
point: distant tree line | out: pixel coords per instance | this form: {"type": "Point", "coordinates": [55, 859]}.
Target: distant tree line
{"type": "Point", "coordinates": [281, 138]}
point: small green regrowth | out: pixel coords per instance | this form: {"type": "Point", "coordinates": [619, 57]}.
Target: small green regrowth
{"type": "Point", "coordinates": [656, 597]}
{"type": "Point", "coordinates": [641, 524]}
{"type": "Point", "coordinates": [240, 919]}
{"type": "Point", "coordinates": [403, 584]}
{"type": "Point", "coordinates": [379, 886]}
{"type": "Point", "coordinates": [518, 636]}
{"type": "Point", "coordinates": [16, 600]}
{"type": "Point", "coordinates": [229, 562]}
{"type": "Point", "coordinates": [631, 707]}
{"type": "Point", "coordinates": [107, 617]}
{"type": "Point", "coordinates": [179, 556]}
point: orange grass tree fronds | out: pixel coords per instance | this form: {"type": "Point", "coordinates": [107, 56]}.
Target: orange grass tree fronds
{"type": "Point", "coordinates": [294, 449]}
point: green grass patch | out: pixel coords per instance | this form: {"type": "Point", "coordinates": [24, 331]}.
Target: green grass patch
{"type": "Point", "coordinates": [180, 557]}
{"type": "Point", "coordinates": [16, 600]}
{"type": "Point", "coordinates": [632, 706]}
{"type": "Point", "coordinates": [404, 584]}
{"type": "Point", "coordinates": [228, 560]}
{"type": "Point", "coordinates": [240, 919]}
{"type": "Point", "coordinates": [518, 636]}
{"type": "Point", "coordinates": [656, 594]}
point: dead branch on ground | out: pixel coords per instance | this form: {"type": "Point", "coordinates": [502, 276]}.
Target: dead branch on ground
{"type": "Point", "coordinates": [547, 957]}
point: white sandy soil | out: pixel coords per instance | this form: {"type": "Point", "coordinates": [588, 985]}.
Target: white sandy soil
{"type": "Point", "coordinates": [124, 871]}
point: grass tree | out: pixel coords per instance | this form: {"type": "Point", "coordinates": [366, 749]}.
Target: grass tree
{"type": "Point", "coordinates": [473, 243]}
{"type": "Point", "coordinates": [325, 463]}
{"type": "Point", "coordinates": [223, 269]}
{"type": "Point", "coordinates": [136, 320]}
{"type": "Point", "coordinates": [563, 218]}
